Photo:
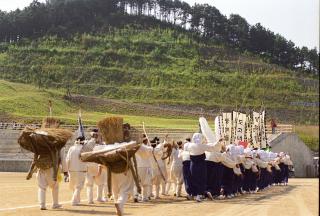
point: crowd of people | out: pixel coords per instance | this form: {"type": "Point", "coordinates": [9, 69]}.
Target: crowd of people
{"type": "Point", "coordinates": [207, 171]}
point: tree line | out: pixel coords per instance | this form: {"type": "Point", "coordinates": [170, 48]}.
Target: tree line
{"type": "Point", "coordinates": [65, 17]}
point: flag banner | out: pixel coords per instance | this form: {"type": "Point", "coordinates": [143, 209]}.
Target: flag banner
{"type": "Point", "coordinates": [218, 126]}
{"type": "Point", "coordinates": [80, 131]}
{"type": "Point", "coordinates": [227, 127]}
{"type": "Point", "coordinates": [263, 130]}
{"type": "Point", "coordinates": [248, 133]}
{"type": "Point", "coordinates": [206, 130]}
{"type": "Point", "coordinates": [234, 126]}
{"type": "Point", "coordinates": [240, 128]}
{"type": "Point", "coordinates": [256, 129]}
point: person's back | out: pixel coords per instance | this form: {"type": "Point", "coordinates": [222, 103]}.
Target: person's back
{"type": "Point", "coordinates": [73, 159]}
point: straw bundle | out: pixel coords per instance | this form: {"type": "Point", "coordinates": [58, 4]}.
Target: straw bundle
{"type": "Point", "coordinates": [44, 141]}
{"type": "Point", "coordinates": [115, 159]}
{"type": "Point", "coordinates": [111, 129]}
{"type": "Point", "coordinates": [50, 122]}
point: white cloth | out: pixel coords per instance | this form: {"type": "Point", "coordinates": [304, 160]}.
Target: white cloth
{"type": "Point", "coordinates": [176, 160]}
{"type": "Point", "coordinates": [145, 159]}
{"type": "Point", "coordinates": [44, 178]}
{"type": "Point", "coordinates": [76, 183]}
{"type": "Point", "coordinates": [184, 155]}
{"type": "Point", "coordinates": [197, 148]}
{"type": "Point", "coordinates": [74, 163]}
{"type": "Point", "coordinates": [218, 130]}
{"type": "Point", "coordinates": [260, 163]}
{"type": "Point", "coordinates": [228, 161]}
{"type": "Point", "coordinates": [122, 186]}
{"type": "Point", "coordinates": [214, 156]}
{"type": "Point", "coordinates": [206, 130]}
{"type": "Point", "coordinates": [248, 163]}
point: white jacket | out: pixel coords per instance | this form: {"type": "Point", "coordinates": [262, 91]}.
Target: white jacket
{"type": "Point", "coordinates": [144, 156]}
{"type": "Point", "coordinates": [260, 163]}
{"type": "Point", "coordinates": [227, 161]}
{"type": "Point", "coordinates": [184, 155]}
{"type": "Point", "coordinates": [214, 156]}
{"type": "Point", "coordinates": [199, 149]}
{"type": "Point", "coordinates": [74, 163]}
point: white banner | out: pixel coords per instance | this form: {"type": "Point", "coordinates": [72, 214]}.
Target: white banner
{"type": "Point", "coordinates": [256, 129]}
{"type": "Point", "coordinates": [218, 126]}
{"type": "Point", "coordinates": [240, 127]}
{"type": "Point", "coordinates": [248, 137]}
{"type": "Point", "coordinates": [234, 126]}
{"type": "Point", "coordinates": [263, 130]}
{"type": "Point", "coordinates": [227, 127]}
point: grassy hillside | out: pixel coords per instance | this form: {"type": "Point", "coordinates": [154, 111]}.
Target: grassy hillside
{"type": "Point", "coordinates": [160, 67]}
{"type": "Point", "coordinates": [25, 103]}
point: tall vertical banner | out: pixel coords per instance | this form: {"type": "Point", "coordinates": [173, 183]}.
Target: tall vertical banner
{"type": "Point", "coordinates": [256, 129]}
{"type": "Point", "coordinates": [248, 137]}
{"type": "Point", "coordinates": [218, 127]}
{"type": "Point", "coordinates": [234, 126]}
{"type": "Point", "coordinates": [240, 127]}
{"type": "Point", "coordinates": [263, 130]}
{"type": "Point", "coordinates": [227, 127]}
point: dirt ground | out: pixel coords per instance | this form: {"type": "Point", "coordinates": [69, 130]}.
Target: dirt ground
{"type": "Point", "coordinates": [300, 197]}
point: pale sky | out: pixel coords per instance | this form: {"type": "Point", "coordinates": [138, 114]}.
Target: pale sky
{"type": "Point", "coordinates": [296, 20]}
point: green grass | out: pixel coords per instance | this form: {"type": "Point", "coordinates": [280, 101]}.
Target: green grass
{"type": "Point", "coordinates": [159, 67]}
{"type": "Point", "coordinates": [309, 134]}
{"type": "Point", "coordinates": [29, 104]}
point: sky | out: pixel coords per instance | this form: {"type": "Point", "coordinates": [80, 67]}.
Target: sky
{"type": "Point", "coordinates": [296, 20]}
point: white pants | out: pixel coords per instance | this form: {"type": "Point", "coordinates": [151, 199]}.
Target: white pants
{"type": "Point", "coordinates": [176, 177]}
{"type": "Point", "coordinates": [99, 180]}
{"type": "Point", "coordinates": [122, 186]}
{"type": "Point", "coordinates": [44, 178]}
{"type": "Point", "coordinates": [76, 184]}
{"type": "Point", "coordinates": [158, 180]}
{"type": "Point", "coordinates": [145, 176]}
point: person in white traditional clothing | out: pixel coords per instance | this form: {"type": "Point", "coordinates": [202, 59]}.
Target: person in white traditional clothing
{"type": "Point", "coordinates": [228, 179]}
{"type": "Point", "coordinates": [122, 183]}
{"type": "Point", "coordinates": [261, 159]}
{"type": "Point", "coordinates": [45, 180]}
{"type": "Point", "coordinates": [214, 173]}
{"type": "Point", "coordinates": [144, 166]}
{"type": "Point", "coordinates": [198, 165]}
{"type": "Point", "coordinates": [159, 170]}
{"type": "Point", "coordinates": [96, 173]}
{"type": "Point", "coordinates": [185, 156]}
{"type": "Point", "coordinates": [287, 162]}
{"type": "Point", "coordinates": [176, 175]}
{"type": "Point", "coordinates": [77, 170]}
{"type": "Point", "coordinates": [249, 176]}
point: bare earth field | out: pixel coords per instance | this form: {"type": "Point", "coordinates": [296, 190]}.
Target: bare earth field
{"type": "Point", "coordinates": [300, 197]}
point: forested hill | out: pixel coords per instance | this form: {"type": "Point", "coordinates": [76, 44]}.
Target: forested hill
{"type": "Point", "coordinates": [152, 53]}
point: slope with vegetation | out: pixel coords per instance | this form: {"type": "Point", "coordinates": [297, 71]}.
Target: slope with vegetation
{"type": "Point", "coordinates": [159, 52]}
{"type": "Point", "coordinates": [159, 67]}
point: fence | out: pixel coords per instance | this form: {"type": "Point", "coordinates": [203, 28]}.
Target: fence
{"type": "Point", "coordinates": [281, 128]}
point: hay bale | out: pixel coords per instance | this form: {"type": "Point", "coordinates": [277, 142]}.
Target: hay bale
{"type": "Point", "coordinates": [43, 141]}
{"type": "Point", "coordinates": [50, 122]}
{"type": "Point", "coordinates": [111, 129]}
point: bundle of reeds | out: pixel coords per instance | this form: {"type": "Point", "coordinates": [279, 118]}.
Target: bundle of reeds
{"type": "Point", "coordinates": [111, 129]}
{"type": "Point", "coordinates": [50, 122]}
{"type": "Point", "coordinates": [45, 140]}
{"type": "Point", "coordinates": [116, 158]}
